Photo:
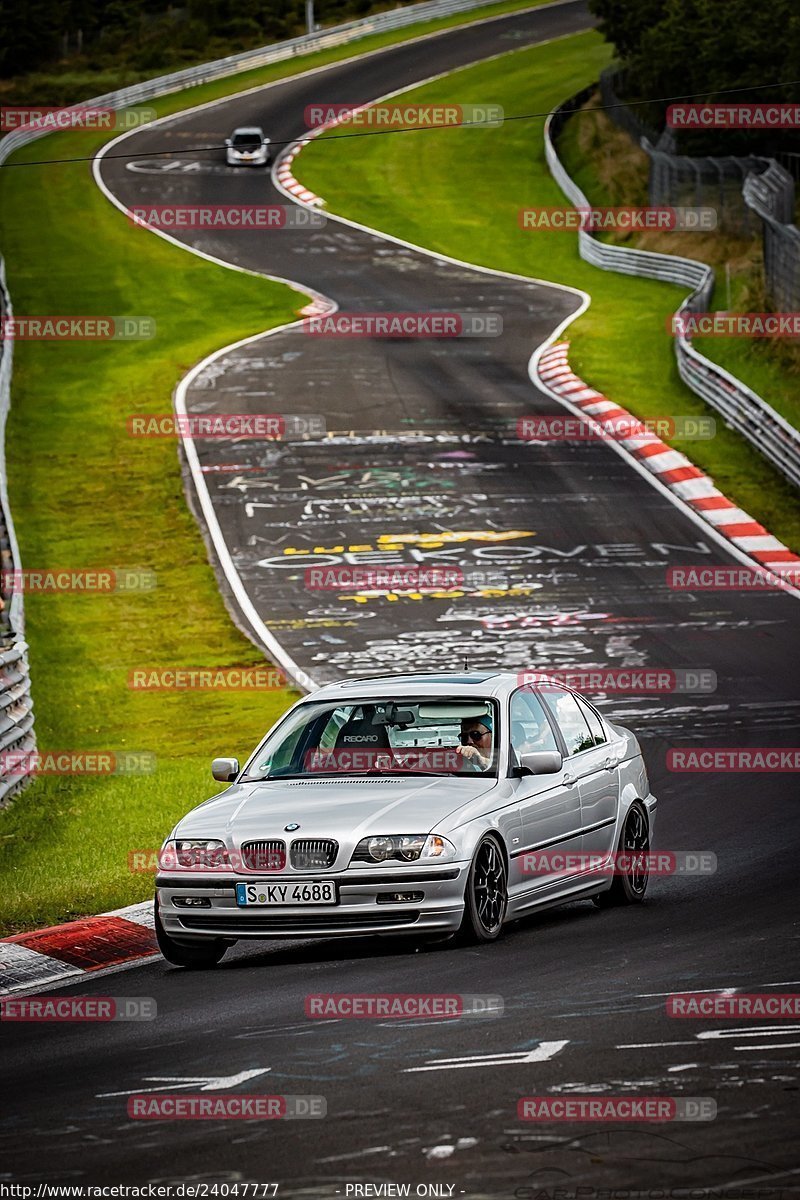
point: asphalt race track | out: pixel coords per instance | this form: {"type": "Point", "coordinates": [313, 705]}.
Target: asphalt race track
{"type": "Point", "coordinates": [423, 444]}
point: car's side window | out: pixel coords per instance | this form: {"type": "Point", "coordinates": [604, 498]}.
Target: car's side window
{"type": "Point", "coordinates": [570, 719]}
{"type": "Point", "coordinates": [530, 728]}
{"type": "Point", "coordinates": [594, 722]}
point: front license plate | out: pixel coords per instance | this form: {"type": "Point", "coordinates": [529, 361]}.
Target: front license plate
{"type": "Point", "coordinates": [281, 895]}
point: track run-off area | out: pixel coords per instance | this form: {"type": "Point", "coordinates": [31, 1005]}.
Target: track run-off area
{"type": "Point", "coordinates": [564, 548]}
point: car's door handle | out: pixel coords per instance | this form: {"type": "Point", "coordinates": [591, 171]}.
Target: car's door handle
{"type": "Point", "coordinates": [568, 780]}
{"type": "Point", "coordinates": [609, 764]}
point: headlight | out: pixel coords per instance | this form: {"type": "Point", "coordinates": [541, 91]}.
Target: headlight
{"type": "Point", "coordinates": [403, 847]}
{"type": "Point", "coordinates": [202, 853]}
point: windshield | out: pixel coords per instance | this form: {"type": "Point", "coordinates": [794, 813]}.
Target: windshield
{"type": "Point", "coordinates": [246, 141]}
{"type": "Point", "coordinates": [381, 737]}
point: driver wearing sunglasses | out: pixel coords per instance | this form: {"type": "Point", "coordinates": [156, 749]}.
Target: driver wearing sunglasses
{"type": "Point", "coordinates": [476, 742]}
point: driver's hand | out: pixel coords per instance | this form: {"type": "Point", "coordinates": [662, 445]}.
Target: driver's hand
{"type": "Point", "coordinates": [472, 754]}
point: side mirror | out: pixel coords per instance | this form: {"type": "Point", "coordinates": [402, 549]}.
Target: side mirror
{"type": "Point", "coordinates": [225, 769]}
{"type": "Point", "coordinates": [265, 141]}
{"type": "Point", "coordinates": [228, 142]}
{"type": "Point", "coordinates": [540, 762]}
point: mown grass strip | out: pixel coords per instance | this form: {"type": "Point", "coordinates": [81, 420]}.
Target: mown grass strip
{"type": "Point", "coordinates": [611, 170]}
{"type": "Point", "coordinates": [84, 494]}
{"type": "Point", "coordinates": [459, 192]}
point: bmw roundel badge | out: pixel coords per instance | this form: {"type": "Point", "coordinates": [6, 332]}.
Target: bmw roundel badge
{"type": "Point", "coordinates": [290, 828]}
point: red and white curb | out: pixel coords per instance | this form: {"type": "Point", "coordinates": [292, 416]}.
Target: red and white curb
{"type": "Point", "coordinates": [283, 173]}
{"type": "Point", "coordinates": [672, 468]}
{"type": "Point", "coordinates": [64, 952]}
{"type": "Point", "coordinates": [319, 308]}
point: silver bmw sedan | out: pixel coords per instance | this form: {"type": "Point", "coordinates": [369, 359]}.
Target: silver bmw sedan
{"type": "Point", "coordinates": [437, 806]}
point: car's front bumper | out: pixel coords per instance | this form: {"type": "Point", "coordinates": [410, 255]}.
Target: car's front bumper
{"type": "Point", "coordinates": [260, 161]}
{"type": "Point", "coordinates": [358, 911]}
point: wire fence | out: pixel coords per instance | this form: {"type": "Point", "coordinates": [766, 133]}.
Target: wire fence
{"type": "Point", "coordinates": [633, 120]}
{"type": "Point", "coordinates": [740, 407]}
{"type": "Point", "coordinates": [749, 193]}
{"type": "Point", "coordinates": [771, 196]}
{"type": "Point", "coordinates": [682, 179]}
{"type": "Point", "coordinates": [678, 179]}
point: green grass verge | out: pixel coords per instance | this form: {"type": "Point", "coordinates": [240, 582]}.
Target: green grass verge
{"type": "Point", "coordinates": [104, 82]}
{"type": "Point", "coordinates": [459, 191]}
{"type": "Point", "coordinates": [83, 494]}
{"type": "Point", "coordinates": [610, 169]}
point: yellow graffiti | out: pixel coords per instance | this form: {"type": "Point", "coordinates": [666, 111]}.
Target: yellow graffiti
{"type": "Point", "coordinates": [364, 597]}
{"type": "Point", "coordinates": [396, 541]}
{"type": "Point", "coordinates": [431, 541]}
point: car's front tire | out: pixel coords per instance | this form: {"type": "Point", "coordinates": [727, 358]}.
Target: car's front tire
{"type": "Point", "coordinates": [199, 953]}
{"type": "Point", "coordinates": [486, 895]}
{"type": "Point", "coordinates": [629, 886]}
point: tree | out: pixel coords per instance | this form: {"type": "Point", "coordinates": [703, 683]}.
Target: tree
{"type": "Point", "coordinates": [708, 50]}
{"type": "Point", "coordinates": [624, 22]}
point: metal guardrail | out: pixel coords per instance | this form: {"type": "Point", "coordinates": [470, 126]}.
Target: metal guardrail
{"type": "Point", "coordinates": [16, 707]}
{"type": "Point", "coordinates": [248, 60]}
{"type": "Point", "coordinates": [739, 406]}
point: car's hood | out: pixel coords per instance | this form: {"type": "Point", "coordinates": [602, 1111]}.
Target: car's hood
{"type": "Point", "coordinates": [346, 810]}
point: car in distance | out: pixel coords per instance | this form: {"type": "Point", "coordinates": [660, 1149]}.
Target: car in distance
{"type": "Point", "coordinates": [424, 805]}
{"type": "Point", "coordinates": [247, 147]}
